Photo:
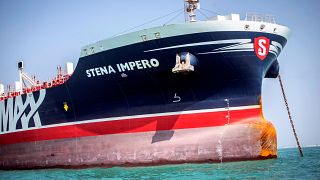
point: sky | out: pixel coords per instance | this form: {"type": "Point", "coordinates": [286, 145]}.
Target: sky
{"type": "Point", "coordinates": [46, 33]}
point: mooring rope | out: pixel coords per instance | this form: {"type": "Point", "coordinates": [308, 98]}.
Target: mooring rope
{"type": "Point", "coordinates": [289, 114]}
{"type": "Point", "coordinates": [173, 18]}
{"type": "Point", "coordinates": [151, 21]}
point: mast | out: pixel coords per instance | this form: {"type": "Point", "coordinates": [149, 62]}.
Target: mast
{"type": "Point", "coordinates": [190, 7]}
{"type": "Point", "coordinates": [23, 77]}
{"type": "Point", "coordinates": [20, 67]}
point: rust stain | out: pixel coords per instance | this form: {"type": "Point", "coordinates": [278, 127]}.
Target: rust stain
{"type": "Point", "coordinates": [268, 136]}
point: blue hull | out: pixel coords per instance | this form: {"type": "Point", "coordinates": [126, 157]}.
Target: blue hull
{"type": "Point", "coordinates": [236, 76]}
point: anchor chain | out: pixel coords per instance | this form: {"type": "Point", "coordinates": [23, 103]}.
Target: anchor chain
{"type": "Point", "coordinates": [289, 114]}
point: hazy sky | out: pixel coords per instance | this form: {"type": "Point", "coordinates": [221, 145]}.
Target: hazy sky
{"type": "Point", "coordinates": [47, 33]}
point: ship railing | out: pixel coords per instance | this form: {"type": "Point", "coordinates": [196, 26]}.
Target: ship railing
{"type": "Point", "coordinates": [59, 80]}
{"type": "Point", "coordinates": [260, 18]}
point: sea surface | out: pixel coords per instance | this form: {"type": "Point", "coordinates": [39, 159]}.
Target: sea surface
{"type": "Point", "coordinates": [289, 165]}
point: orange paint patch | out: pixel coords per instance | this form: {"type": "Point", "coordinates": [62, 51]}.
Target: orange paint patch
{"type": "Point", "coordinates": [268, 138]}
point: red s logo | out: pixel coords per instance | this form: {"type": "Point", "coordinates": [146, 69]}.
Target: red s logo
{"type": "Point", "coordinates": [261, 47]}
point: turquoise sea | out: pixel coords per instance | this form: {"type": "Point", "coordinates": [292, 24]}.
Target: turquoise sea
{"type": "Point", "coordinates": [289, 165]}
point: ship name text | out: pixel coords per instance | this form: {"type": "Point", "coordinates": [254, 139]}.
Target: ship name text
{"type": "Point", "coordinates": [122, 67]}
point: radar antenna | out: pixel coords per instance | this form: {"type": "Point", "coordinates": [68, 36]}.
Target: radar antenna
{"type": "Point", "coordinates": [190, 7]}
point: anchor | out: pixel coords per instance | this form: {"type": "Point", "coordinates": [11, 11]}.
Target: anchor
{"type": "Point", "coordinates": [183, 65]}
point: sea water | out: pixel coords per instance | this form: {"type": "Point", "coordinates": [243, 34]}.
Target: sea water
{"type": "Point", "coordinates": [288, 165]}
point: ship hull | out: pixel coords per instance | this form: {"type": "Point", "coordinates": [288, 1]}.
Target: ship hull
{"type": "Point", "coordinates": [125, 105]}
{"type": "Point", "coordinates": [250, 140]}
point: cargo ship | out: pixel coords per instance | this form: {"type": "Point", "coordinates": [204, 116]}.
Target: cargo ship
{"type": "Point", "coordinates": [178, 93]}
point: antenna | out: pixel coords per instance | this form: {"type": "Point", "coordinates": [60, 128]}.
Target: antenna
{"type": "Point", "coordinates": [190, 8]}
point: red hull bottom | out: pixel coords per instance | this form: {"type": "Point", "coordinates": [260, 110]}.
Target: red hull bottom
{"type": "Point", "coordinates": [254, 140]}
